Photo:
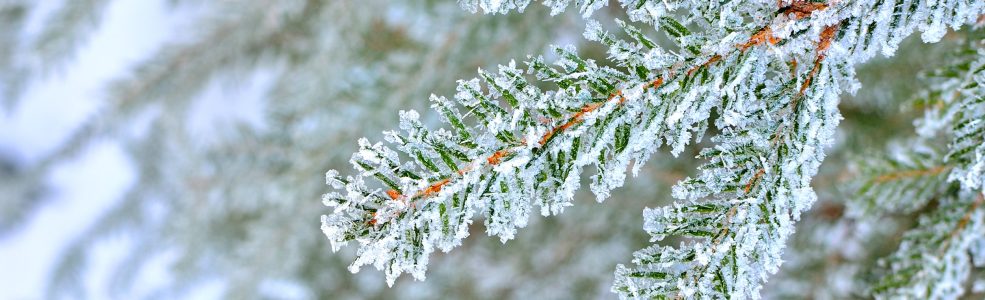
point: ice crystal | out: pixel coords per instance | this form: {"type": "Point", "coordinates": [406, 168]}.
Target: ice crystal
{"type": "Point", "coordinates": [766, 77]}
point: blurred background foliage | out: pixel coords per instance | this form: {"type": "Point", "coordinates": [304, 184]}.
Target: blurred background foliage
{"type": "Point", "coordinates": [238, 202]}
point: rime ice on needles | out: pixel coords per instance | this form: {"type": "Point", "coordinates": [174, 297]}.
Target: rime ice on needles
{"type": "Point", "coordinates": [967, 148]}
{"type": "Point", "coordinates": [740, 209]}
{"type": "Point", "coordinates": [900, 181]}
{"type": "Point", "coordinates": [772, 73]}
{"type": "Point", "coordinates": [509, 146]}
{"type": "Point", "coordinates": [935, 258]}
{"type": "Point", "coordinates": [907, 178]}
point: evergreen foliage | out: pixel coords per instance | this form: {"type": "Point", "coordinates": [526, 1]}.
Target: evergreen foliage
{"type": "Point", "coordinates": [729, 107]}
{"type": "Point", "coordinates": [735, 67]}
{"type": "Point", "coordinates": [935, 259]}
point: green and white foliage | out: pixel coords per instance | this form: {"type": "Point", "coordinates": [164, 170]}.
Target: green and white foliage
{"type": "Point", "coordinates": [967, 150]}
{"type": "Point", "coordinates": [762, 78]}
{"type": "Point", "coordinates": [946, 149]}
{"type": "Point", "coordinates": [934, 260]}
{"type": "Point", "coordinates": [936, 257]}
{"type": "Point", "coordinates": [902, 180]}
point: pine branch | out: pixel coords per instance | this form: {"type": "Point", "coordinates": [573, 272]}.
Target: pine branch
{"type": "Point", "coordinates": [13, 17]}
{"type": "Point", "coordinates": [446, 190]}
{"type": "Point", "coordinates": [437, 159]}
{"type": "Point", "coordinates": [968, 146]}
{"type": "Point", "coordinates": [933, 260]}
{"type": "Point", "coordinates": [517, 144]}
{"type": "Point", "coordinates": [734, 242]}
{"type": "Point", "coordinates": [901, 182]}
{"type": "Point", "coordinates": [904, 182]}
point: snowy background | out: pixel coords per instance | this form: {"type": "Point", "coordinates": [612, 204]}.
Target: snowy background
{"type": "Point", "coordinates": [78, 192]}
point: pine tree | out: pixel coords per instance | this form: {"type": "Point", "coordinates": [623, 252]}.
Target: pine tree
{"type": "Point", "coordinates": [765, 81]}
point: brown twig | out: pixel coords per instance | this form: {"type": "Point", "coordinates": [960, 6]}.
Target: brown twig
{"type": "Point", "coordinates": [910, 173]}
{"type": "Point", "coordinates": [579, 116]}
{"type": "Point", "coordinates": [822, 46]}
{"type": "Point", "coordinates": [961, 223]}
{"type": "Point", "coordinates": [755, 178]}
{"type": "Point", "coordinates": [710, 61]}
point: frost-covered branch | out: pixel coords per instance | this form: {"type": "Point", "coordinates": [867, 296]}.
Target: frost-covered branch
{"type": "Point", "coordinates": [771, 72]}
{"type": "Point", "coordinates": [903, 181]}
{"type": "Point", "coordinates": [935, 258]}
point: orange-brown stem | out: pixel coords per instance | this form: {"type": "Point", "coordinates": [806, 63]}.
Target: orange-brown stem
{"type": "Point", "coordinates": [710, 61]}
{"type": "Point", "coordinates": [762, 36]}
{"type": "Point", "coordinates": [962, 223]}
{"type": "Point", "coordinates": [911, 173]}
{"type": "Point", "coordinates": [803, 9]}
{"type": "Point", "coordinates": [799, 10]}
{"type": "Point", "coordinates": [826, 37]}
{"type": "Point", "coordinates": [496, 157]}
{"type": "Point", "coordinates": [657, 83]}
{"type": "Point", "coordinates": [578, 117]}
{"type": "Point", "coordinates": [434, 188]}
{"type": "Point", "coordinates": [755, 178]}
{"type": "Point", "coordinates": [822, 46]}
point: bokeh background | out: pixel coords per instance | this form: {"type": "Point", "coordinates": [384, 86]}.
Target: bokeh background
{"type": "Point", "coordinates": [177, 149]}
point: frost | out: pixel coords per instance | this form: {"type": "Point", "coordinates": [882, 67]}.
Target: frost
{"type": "Point", "coordinates": [933, 259]}
{"type": "Point", "coordinates": [510, 145]}
{"type": "Point", "coordinates": [332, 179]}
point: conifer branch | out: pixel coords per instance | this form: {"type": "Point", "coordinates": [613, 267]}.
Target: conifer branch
{"type": "Point", "coordinates": [934, 261]}
{"type": "Point", "coordinates": [517, 145]}
{"type": "Point", "coordinates": [935, 258]}
{"type": "Point", "coordinates": [893, 176]}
